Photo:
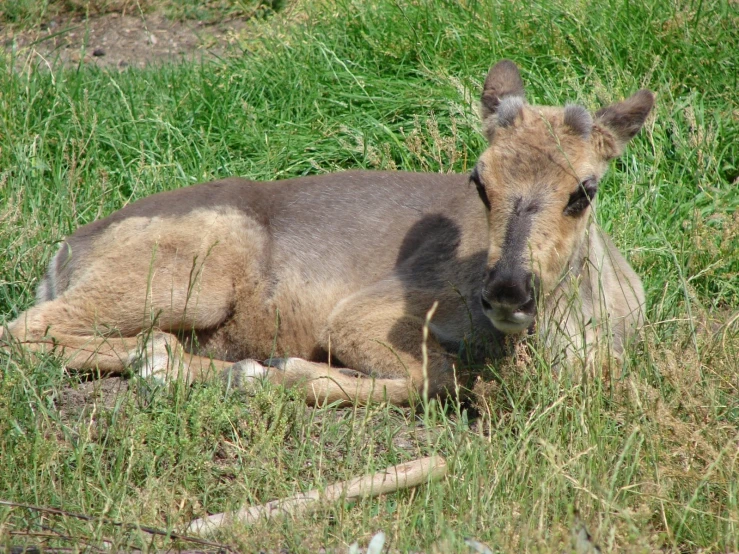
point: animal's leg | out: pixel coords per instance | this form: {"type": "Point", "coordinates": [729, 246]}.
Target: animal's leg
{"type": "Point", "coordinates": [112, 291]}
{"type": "Point", "coordinates": [380, 344]}
{"type": "Point", "coordinates": [322, 383]}
{"type": "Point", "coordinates": [85, 344]}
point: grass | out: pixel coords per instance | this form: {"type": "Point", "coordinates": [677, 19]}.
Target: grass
{"type": "Point", "coordinates": [649, 460]}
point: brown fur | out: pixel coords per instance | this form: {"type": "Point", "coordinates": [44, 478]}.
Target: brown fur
{"type": "Point", "coordinates": [339, 271]}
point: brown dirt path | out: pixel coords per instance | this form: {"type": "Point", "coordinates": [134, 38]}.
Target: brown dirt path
{"type": "Point", "coordinates": [115, 40]}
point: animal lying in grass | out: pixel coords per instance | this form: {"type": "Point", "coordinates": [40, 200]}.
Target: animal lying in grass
{"type": "Point", "coordinates": [330, 278]}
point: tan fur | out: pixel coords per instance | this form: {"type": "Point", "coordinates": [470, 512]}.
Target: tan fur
{"type": "Point", "coordinates": [536, 160]}
{"type": "Point", "coordinates": [335, 275]}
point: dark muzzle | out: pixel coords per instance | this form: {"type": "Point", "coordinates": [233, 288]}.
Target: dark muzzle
{"type": "Point", "coordinates": [509, 298]}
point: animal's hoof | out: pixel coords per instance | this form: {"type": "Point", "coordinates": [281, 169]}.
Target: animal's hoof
{"type": "Point", "coordinates": [277, 363]}
{"type": "Point", "coordinates": [154, 368]}
{"type": "Point", "coordinates": [152, 361]}
{"type": "Point", "coordinates": [241, 372]}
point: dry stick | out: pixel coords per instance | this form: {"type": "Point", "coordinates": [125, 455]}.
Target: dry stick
{"type": "Point", "coordinates": [391, 479]}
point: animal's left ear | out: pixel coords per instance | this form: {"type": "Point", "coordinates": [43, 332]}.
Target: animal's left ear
{"type": "Point", "coordinates": [503, 97]}
{"type": "Point", "coordinates": [616, 125]}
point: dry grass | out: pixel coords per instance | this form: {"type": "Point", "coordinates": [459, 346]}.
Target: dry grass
{"type": "Point", "coordinates": [646, 456]}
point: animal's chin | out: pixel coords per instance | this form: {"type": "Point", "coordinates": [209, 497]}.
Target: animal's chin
{"type": "Point", "coordinates": [512, 323]}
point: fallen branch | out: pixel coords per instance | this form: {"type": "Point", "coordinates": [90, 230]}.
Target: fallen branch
{"type": "Point", "coordinates": [391, 479]}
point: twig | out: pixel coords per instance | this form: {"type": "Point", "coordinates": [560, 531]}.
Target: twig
{"type": "Point", "coordinates": [129, 526]}
{"type": "Point", "coordinates": [391, 479]}
{"type": "Point", "coordinates": [51, 534]}
{"type": "Point", "coordinates": [46, 550]}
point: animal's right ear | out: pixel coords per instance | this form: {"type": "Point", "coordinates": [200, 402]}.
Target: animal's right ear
{"type": "Point", "coordinates": [618, 124]}
{"type": "Point", "coordinates": [503, 97]}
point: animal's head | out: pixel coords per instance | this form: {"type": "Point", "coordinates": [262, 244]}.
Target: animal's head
{"type": "Point", "coordinates": [538, 179]}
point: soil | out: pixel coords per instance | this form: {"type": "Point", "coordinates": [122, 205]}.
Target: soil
{"type": "Point", "coordinates": [118, 41]}
{"type": "Point", "coordinates": [72, 401]}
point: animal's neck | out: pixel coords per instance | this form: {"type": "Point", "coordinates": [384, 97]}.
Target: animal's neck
{"type": "Point", "coordinates": [579, 257]}
{"type": "Point", "coordinates": [577, 275]}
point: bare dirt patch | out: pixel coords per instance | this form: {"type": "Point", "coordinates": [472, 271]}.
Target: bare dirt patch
{"type": "Point", "coordinates": [73, 400]}
{"type": "Point", "coordinates": [115, 40]}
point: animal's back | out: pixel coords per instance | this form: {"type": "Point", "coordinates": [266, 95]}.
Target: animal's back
{"type": "Point", "coordinates": [347, 225]}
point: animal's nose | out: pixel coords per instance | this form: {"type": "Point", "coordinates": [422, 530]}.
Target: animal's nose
{"type": "Point", "coordinates": [508, 288]}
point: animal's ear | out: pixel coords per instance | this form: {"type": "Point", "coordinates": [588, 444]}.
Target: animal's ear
{"type": "Point", "coordinates": [616, 125]}
{"type": "Point", "coordinates": [502, 96]}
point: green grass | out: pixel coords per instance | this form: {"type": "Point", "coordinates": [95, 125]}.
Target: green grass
{"type": "Point", "coordinates": [648, 460]}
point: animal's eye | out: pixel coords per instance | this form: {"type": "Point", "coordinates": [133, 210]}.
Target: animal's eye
{"type": "Point", "coordinates": [582, 197]}
{"type": "Point", "coordinates": [475, 178]}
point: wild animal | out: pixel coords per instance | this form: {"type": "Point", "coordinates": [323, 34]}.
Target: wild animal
{"type": "Point", "coordinates": [324, 282]}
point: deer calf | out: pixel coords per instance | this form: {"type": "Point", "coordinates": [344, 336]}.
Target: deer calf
{"type": "Point", "coordinates": [330, 278]}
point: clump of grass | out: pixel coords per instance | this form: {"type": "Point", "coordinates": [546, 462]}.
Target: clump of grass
{"type": "Point", "coordinates": [647, 458]}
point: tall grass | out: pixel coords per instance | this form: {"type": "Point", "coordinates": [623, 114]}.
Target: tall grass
{"type": "Point", "coordinates": [648, 459]}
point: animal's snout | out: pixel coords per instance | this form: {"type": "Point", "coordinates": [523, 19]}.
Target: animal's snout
{"type": "Point", "coordinates": [510, 288]}
{"type": "Point", "coordinates": [509, 298]}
